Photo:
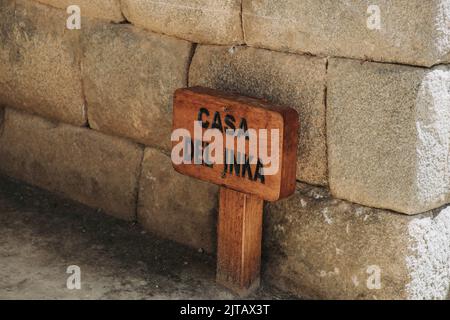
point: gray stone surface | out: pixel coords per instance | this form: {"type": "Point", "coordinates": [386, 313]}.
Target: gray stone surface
{"type": "Point", "coordinates": [388, 135]}
{"type": "Point", "coordinates": [129, 78]}
{"type": "Point", "coordinates": [41, 235]}
{"type": "Point", "coordinates": [412, 31]}
{"type": "Point", "coordinates": [103, 9]}
{"type": "Point", "coordinates": [200, 21]}
{"type": "Point", "coordinates": [174, 206]}
{"type": "Point", "coordinates": [81, 164]}
{"type": "Point", "coordinates": [46, 63]}
{"type": "Point", "coordinates": [284, 79]}
{"type": "Point", "coordinates": [319, 247]}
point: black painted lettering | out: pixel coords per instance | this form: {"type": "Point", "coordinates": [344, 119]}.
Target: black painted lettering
{"type": "Point", "coordinates": [247, 169]}
{"type": "Point", "coordinates": [230, 122]}
{"type": "Point", "coordinates": [244, 127]}
{"type": "Point", "coordinates": [259, 172]}
{"type": "Point", "coordinates": [231, 163]}
{"type": "Point", "coordinates": [203, 111]}
{"type": "Point", "coordinates": [217, 124]}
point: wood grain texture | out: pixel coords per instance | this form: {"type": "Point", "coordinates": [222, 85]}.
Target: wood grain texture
{"type": "Point", "coordinates": [259, 115]}
{"type": "Point", "coordinates": [239, 241]}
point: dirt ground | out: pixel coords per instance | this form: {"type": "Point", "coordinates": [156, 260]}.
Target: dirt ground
{"type": "Point", "coordinates": [42, 234]}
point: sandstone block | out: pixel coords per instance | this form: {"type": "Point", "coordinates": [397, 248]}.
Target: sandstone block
{"type": "Point", "coordinates": [102, 9]}
{"type": "Point", "coordinates": [284, 79]}
{"type": "Point", "coordinates": [129, 78]}
{"type": "Point", "coordinates": [323, 248]}
{"type": "Point", "coordinates": [47, 77]}
{"type": "Point", "coordinates": [79, 163]}
{"type": "Point", "coordinates": [6, 52]}
{"type": "Point", "coordinates": [388, 132]}
{"type": "Point", "coordinates": [174, 206]}
{"type": "Point", "coordinates": [2, 119]}
{"type": "Point", "coordinates": [410, 31]}
{"type": "Point", "coordinates": [201, 21]}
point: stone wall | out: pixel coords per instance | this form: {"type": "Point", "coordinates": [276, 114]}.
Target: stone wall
{"type": "Point", "coordinates": [87, 114]}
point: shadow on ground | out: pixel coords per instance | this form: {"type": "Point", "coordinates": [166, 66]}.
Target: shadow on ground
{"type": "Point", "coordinates": [42, 234]}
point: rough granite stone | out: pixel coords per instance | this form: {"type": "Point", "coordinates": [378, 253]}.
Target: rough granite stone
{"type": "Point", "coordinates": [411, 31]}
{"type": "Point", "coordinates": [6, 52]}
{"type": "Point", "coordinates": [174, 206]}
{"type": "Point", "coordinates": [81, 164]}
{"type": "Point", "coordinates": [129, 78]}
{"type": "Point", "coordinates": [2, 119]}
{"type": "Point", "coordinates": [47, 77]}
{"type": "Point", "coordinates": [200, 21]}
{"type": "Point", "coordinates": [388, 135]}
{"type": "Point", "coordinates": [102, 9]}
{"type": "Point", "coordinates": [284, 79]}
{"type": "Point", "coordinates": [322, 248]}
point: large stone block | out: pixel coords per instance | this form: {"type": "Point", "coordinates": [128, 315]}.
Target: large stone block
{"type": "Point", "coordinates": [129, 78]}
{"type": "Point", "coordinates": [47, 64]}
{"type": "Point", "coordinates": [388, 135]}
{"type": "Point", "coordinates": [174, 206]}
{"type": "Point", "coordinates": [201, 21]}
{"type": "Point", "coordinates": [6, 51]}
{"type": "Point", "coordinates": [323, 248]}
{"type": "Point", "coordinates": [2, 119]}
{"type": "Point", "coordinates": [284, 79]}
{"type": "Point", "coordinates": [102, 9]}
{"type": "Point", "coordinates": [411, 31]}
{"type": "Point", "coordinates": [79, 163]}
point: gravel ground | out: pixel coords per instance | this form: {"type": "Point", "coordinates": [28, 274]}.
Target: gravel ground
{"type": "Point", "coordinates": [42, 234]}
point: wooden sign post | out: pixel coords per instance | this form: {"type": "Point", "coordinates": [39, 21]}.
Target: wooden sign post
{"type": "Point", "coordinates": [249, 148]}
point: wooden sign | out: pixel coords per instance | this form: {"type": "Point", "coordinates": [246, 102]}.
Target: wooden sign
{"type": "Point", "coordinates": [247, 146]}
{"type": "Point", "coordinates": [217, 110]}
